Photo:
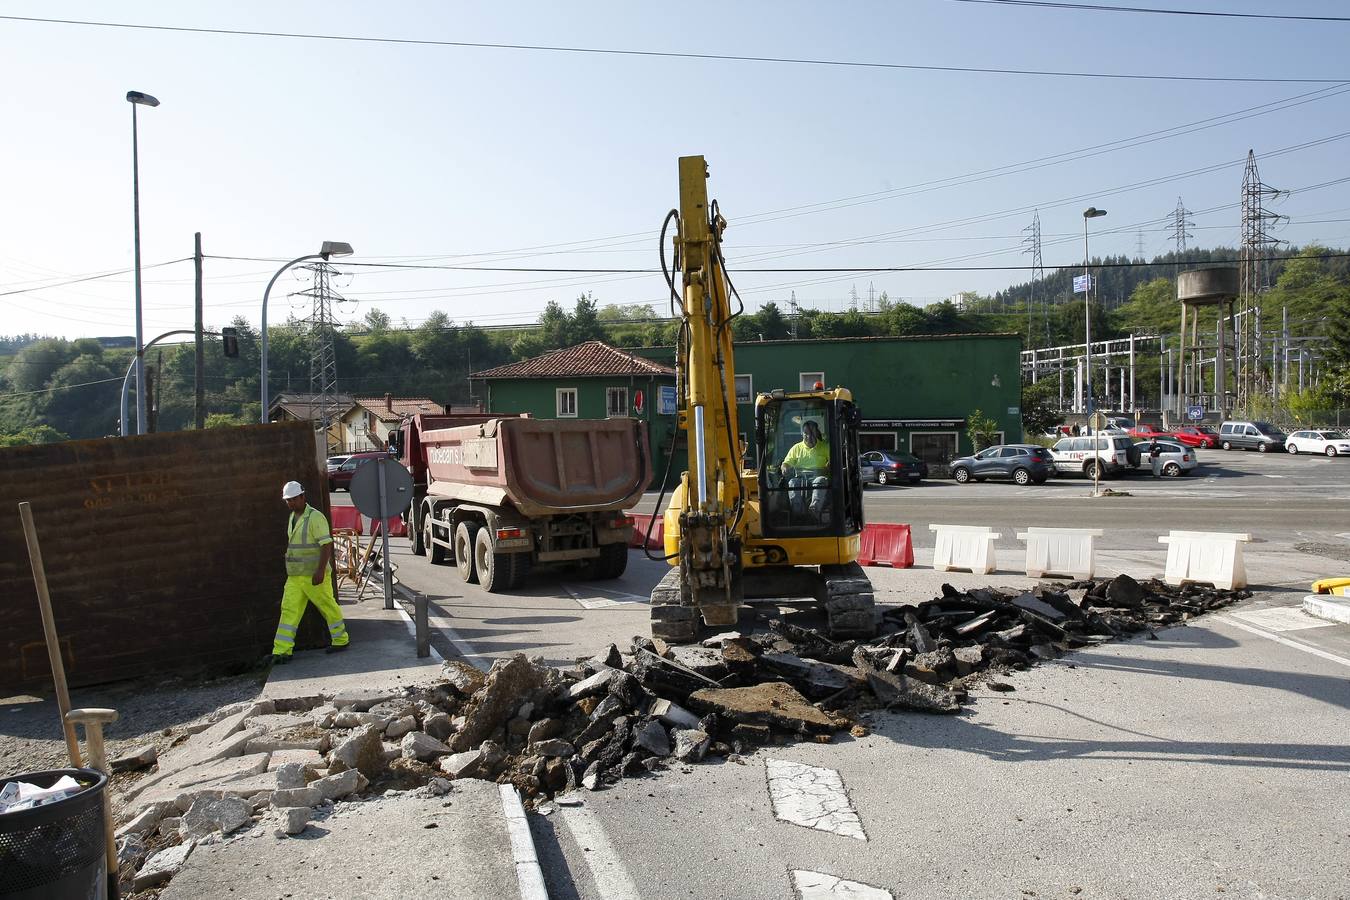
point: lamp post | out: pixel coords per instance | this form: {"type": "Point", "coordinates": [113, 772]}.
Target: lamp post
{"type": "Point", "coordinates": [126, 381]}
{"type": "Point", "coordinates": [1091, 212]}
{"type": "Point", "coordinates": [326, 250]}
{"type": "Point", "coordinates": [136, 98]}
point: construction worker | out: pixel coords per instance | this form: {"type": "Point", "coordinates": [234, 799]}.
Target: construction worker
{"type": "Point", "coordinates": [309, 549]}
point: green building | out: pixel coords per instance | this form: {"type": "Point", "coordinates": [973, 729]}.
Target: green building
{"type": "Point", "coordinates": [915, 393]}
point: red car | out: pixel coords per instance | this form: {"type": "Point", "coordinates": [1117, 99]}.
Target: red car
{"type": "Point", "coordinates": [1148, 432]}
{"type": "Point", "coordinates": [1194, 436]}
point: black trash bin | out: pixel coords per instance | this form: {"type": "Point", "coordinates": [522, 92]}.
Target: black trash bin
{"type": "Point", "coordinates": [56, 851]}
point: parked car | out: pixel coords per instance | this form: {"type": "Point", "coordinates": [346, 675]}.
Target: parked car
{"type": "Point", "coordinates": [1196, 436]}
{"type": "Point", "coordinates": [1148, 432]}
{"type": "Point", "coordinates": [341, 477]}
{"type": "Point", "coordinates": [867, 472]}
{"type": "Point", "coordinates": [1120, 423]}
{"type": "Point", "coordinates": [893, 466]}
{"type": "Point", "coordinates": [1262, 436]}
{"type": "Point", "coordinates": [1332, 443]}
{"type": "Point", "coordinates": [1177, 459]}
{"type": "Point", "coordinates": [1023, 463]}
{"type": "Point", "coordinates": [1075, 456]}
{"type": "Point", "coordinates": [334, 462]}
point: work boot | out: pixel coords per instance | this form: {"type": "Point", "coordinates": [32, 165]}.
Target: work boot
{"type": "Point", "coordinates": [279, 660]}
{"type": "Point", "coordinates": [336, 648]}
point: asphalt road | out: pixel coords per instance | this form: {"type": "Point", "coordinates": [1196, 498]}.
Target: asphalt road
{"type": "Point", "coordinates": [1211, 762]}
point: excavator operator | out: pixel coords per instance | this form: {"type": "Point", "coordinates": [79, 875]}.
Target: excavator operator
{"type": "Point", "coordinates": [807, 467]}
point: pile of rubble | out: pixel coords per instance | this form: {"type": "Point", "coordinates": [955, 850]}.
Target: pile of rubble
{"type": "Point", "coordinates": [276, 765]}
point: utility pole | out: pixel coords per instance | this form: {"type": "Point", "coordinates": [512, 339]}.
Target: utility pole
{"type": "Point", "coordinates": [199, 371]}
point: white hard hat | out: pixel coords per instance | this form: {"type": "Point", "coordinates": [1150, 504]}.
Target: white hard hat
{"type": "Point", "coordinates": [291, 490]}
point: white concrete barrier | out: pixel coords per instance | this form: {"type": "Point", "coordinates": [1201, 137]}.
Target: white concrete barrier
{"type": "Point", "coordinates": [1206, 556]}
{"type": "Point", "coordinates": [964, 547]}
{"type": "Point", "coordinates": [1071, 552]}
{"type": "Point", "coordinates": [1326, 606]}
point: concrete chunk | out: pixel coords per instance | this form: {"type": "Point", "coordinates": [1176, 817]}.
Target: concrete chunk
{"type": "Point", "coordinates": [362, 699]}
{"type": "Point", "coordinates": [162, 866]}
{"type": "Point", "coordinates": [140, 758]}
{"type": "Point", "coordinates": [399, 727]}
{"type": "Point", "coordinates": [421, 746]}
{"type": "Point", "coordinates": [553, 747]}
{"type": "Point", "coordinates": [146, 820]}
{"type": "Point", "coordinates": [507, 682]}
{"type": "Point", "coordinates": [691, 744]}
{"type": "Point", "coordinates": [208, 816]}
{"type": "Point", "coordinates": [673, 714]}
{"type": "Point", "coordinates": [303, 796]}
{"type": "Point", "coordinates": [335, 787]}
{"type": "Point", "coordinates": [771, 703]}
{"type": "Point", "coordinates": [651, 736]}
{"type": "Point", "coordinates": [593, 686]}
{"type": "Point", "coordinates": [463, 677]}
{"type": "Point", "coordinates": [294, 819]}
{"type": "Point", "coordinates": [362, 750]}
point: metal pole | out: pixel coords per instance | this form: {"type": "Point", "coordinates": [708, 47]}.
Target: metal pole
{"type": "Point", "coordinates": [384, 539]}
{"type": "Point", "coordinates": [136, 228]}
{"type": "Point", "coordinates": [1087, 322]}
{"type": "Point", "coordinates": [199, 373]}
{"type": "Point", "coordinates": [1133, 408]}
{"type": "Point", "coordinates": [126, 382]}
{"type": "Point", "coordinates": [421, 626]}
{"type": "Point", "coordinates": [262, 416]}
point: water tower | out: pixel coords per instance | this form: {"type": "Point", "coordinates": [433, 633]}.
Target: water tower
{"type": "Point", "coordinates": [1198, 289]}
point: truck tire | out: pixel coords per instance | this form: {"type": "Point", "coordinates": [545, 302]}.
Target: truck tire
{"type": "Point", "coordinates": [416, 536]}
{"type": "Point", "coordinates": [611, 562]}
{"type": "Point", "coordinates": [496, 571]}
{"type": "Point", "coordinates": [465, 533]}
{"type": "Point", "coordinates": [521, 564]}
{"type": "Point", "coordinates": [439, 555]}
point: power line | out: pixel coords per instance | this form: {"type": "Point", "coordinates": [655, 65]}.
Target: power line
{"type": "Point", "coordinates": [89, 277]}
{"type": "Point", "coordinates": [64, 387]}
{"type": "Point", "coordinates": [1095, 7]}
{"type": "Point", "coordinates": [666, 54]}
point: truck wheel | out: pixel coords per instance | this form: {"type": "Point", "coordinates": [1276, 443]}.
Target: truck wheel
{"type": "Point", "coordinates": [496, 571]}
{"type": "Point", "coordinates": [611, 562]}
{"type": "Point", "coordinates": [437, 552]}
{"type": "Point", "coordinates": [521, 563]}
{"type": "Point", "coordinates": [465, 533]}
{"type": "Point", "coordinates": [416, 536]}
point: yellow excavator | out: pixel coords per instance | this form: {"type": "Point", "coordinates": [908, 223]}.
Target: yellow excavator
{"type": "Point", "coordinates": [784, 528]}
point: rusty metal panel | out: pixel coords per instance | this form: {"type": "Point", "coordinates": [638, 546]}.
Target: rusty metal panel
{"type": "Point", "coordinates": [163, 552]}
{"type": "Point", "coordinates": [544, 466]}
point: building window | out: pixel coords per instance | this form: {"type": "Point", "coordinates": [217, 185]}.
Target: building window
{"type": "Point", "coordinates": [876, 440]}
{"type": "Point", "coordinates": [567, 403]}
{"type": "Point", "coordinates": [806, 381]}
{"type": "Point", "coordinates": [745, 388]}
{"type": "Point", "coordinates": [616, 401]}
{"type": "Point", "coordinates": [933, 447]}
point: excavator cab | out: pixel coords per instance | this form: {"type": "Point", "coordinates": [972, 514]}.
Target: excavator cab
{"type": "Point", "coordinates": [809, 483]}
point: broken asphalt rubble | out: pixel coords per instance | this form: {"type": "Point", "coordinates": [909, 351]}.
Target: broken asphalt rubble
{"type": "Point", "coordinates": [278, 765]}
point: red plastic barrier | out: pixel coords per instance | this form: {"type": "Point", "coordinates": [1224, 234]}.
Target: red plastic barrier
{"type": "Point", "coordinates": [346, 517]}
{"type": "Point", "coordinates": [396, 527]}
{"type": "Point", "coordinates": [886, 544]}
{"type": "Point", "coordinates": [640, 523]}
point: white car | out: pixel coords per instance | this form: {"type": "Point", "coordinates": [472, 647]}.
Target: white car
{"type": "Point", "coordinates": [1332, 443]}
{"type": "Point", "coordinates": [1075, 456]}
{"type": "Point", "coordinates": [1176, 459]}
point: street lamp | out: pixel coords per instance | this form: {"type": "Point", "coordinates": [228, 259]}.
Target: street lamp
{"type": "Point", "coordinates": [136, 98]}
{"type": "Point", "coordinates": [326, 250]}
{"type": "Point", "coordinates": [1091, 212]}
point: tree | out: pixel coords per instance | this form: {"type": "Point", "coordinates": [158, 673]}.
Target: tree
{"type": "Point", "coordinates": [980, 429]}
{"type": "Point", "coordinates": [377, 320]}
{"type": "Point", "coordinates": [1039, 407]}
{"type": "Point", "coordinates": [584, 323]}
{"type": "Point", "coordinates": [222, 420]}
{"type": "Point", "coordinates": [34, 434]}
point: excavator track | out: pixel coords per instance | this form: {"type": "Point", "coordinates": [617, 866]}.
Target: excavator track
{"type": "Point", "coordinates": [848, 601]}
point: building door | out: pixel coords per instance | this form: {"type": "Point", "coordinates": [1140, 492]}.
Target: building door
{"type": "Point", "coordinates": [876, 440]}
{"type": "Point", "coordinates": [937, 448]}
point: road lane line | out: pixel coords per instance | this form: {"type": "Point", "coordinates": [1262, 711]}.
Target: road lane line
{"type": "Point", "coordinates": [617, 598]}
{"type": "Point", "coordinates": [528, 873]}
{"type": "Point", "coordinates": [611, 877]}
{"type": "Point", "coordinates": [1297, 645]}
{"type": "Point", "coordinates": [812, 797]}
{"type": "Point", "coordinates": [819, 886]}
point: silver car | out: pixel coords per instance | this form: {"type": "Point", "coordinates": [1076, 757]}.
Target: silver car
{"type": "Point", "coordinates": [1176, 459]}
{"type": "Point", "coordinates": [869, 474]}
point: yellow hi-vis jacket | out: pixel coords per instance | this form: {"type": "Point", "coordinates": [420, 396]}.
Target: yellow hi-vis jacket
{"type": "Point", "coordinates": [306, 535]}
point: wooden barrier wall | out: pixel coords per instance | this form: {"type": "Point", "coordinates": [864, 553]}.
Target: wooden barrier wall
{"type": "Point", "coordinates": [164, 552]}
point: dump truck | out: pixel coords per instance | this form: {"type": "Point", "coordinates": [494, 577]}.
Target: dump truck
{"type": "Point", "coordinates": [506, 495]}
{"type": "Point", "coordinates": [406, 444]}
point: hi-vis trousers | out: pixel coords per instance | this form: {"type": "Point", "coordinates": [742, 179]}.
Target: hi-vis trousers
{"type": "Point", "coordinates": [300, 592]}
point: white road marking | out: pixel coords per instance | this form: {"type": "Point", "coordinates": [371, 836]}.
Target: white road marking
{"type": "Point", "coordinates": [528, 873]}
{"type": "Point", "coordinates": [1282, 618]}
{"type": "Point", "coordinates": [812, 797]}
{"type": "Point", "coordinates": [611, 877]}
{"type": "Point", "coordinates": [1264, 475]}
{"type": "Point", "coordinates": [592, 597]}
{"type": "Point", "coordinates": [1297, 645]}
{"type": "Point", "coordinates": [819, 886]}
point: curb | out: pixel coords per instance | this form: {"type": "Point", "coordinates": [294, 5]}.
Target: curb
{"type": "Point", "coordinates": [1325, 606]}
{"type": "Point", "coordinates": [528, 873]}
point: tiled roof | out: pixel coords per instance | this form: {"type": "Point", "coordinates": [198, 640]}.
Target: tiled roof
{"type": "Point", "coordinates": [393, 409]}
{"type": "Point", "coordinates": [306, 406]}
{"type": "Point", "coordinates": [589, 360]}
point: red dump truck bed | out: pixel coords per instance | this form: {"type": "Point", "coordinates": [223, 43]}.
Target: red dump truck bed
{"type": "Point", "coordinates": [540, 466]}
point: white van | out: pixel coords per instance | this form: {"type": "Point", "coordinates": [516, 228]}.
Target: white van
{"type": "Point", "coordinates": [1075, 455]}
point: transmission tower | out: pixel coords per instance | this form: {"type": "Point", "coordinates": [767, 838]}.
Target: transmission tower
{"type": "Point", "coordinates": [1139, 244]}
{"type": "Point", "coordinates": [793, 316]}
{"type": "Point", "coordinates": [1032, 244]}
{"type": "Point", "coordinates": [853, 298]}
{"type": "Point", "coordinates": [1257, 241]}
{"type": "Point", "coordinates": [1180, 222]}
{"type": "Point", "coordinates": [322, 359]}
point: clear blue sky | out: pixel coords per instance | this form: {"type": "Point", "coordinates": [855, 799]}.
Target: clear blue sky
{"type": "Point", "coordinates": [412, 153]}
